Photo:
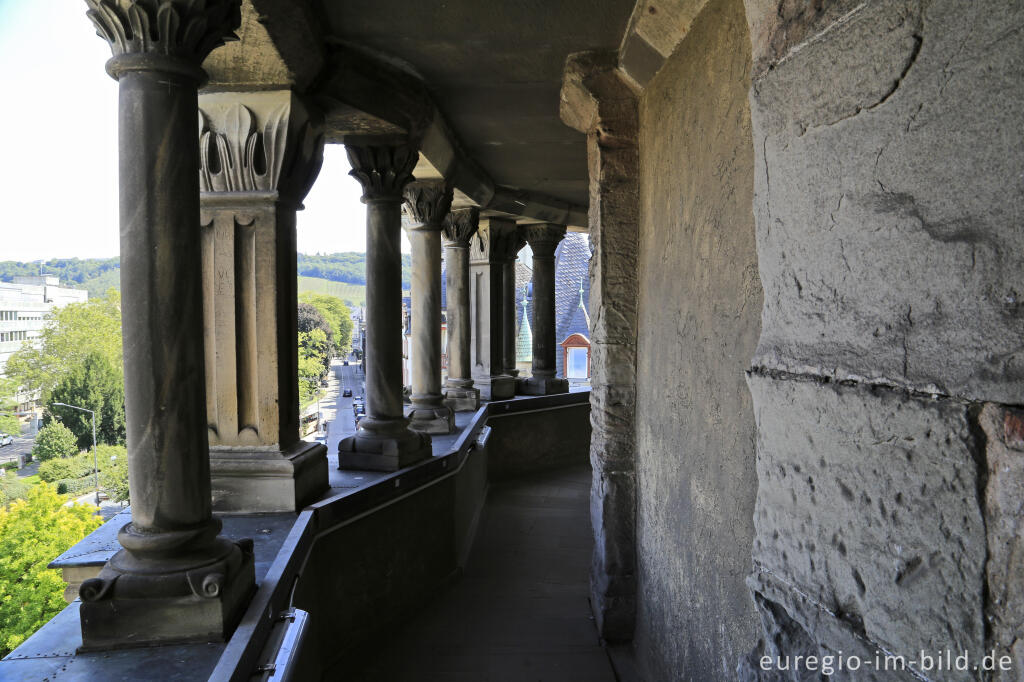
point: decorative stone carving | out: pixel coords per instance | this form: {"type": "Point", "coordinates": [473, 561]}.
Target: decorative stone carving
{"type": "Point", "coordinates": [238, 154]}
{"type": "Point", "coordinates": [174, 579]}
{"type": "Point", "coordinates": [179, 30]}
{"type": "Point", "coordinates": [260, 153]}
{"type": "Point", "coordinates": [384, 441]}
{"type": "Point", "coordinates": [543, 239]}
{"type": "Point", "coordinates": [427, 203]}
{"type": "Point", "coordinates": [382, 170]}
{"type": "Point", "coordinates": [460, 226]}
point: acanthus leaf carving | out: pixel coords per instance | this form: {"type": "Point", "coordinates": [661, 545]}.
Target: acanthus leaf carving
{"type": "Point", "coordinates": [428, 202]}
{"type": "Point", "coordinates": [183, 29]}
{"type": "Point", "coordinates": [460, 225]}
{"type": "Point", "coordinates": [382, 170]}
{"type": "Point", "coordinates": [237, 155]}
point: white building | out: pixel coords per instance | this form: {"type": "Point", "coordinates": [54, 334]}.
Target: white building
{"type": "Point", "coordinates": [24, 304]}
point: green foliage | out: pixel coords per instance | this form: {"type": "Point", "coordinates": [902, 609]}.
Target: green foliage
{"type": "Point", "coordinates": [9, 466]}
{"type": "Point", "coordinates": [54, 440]}
{"type": "Point", "coordinates": [12, 488]}
{"type": "Point", "coordinates": [314, 361]}
{"type": "Point", "coordinates": [95, 385]}
{"type": "Point", "coordinates": [71, 334]}
{"type": "Point", "coordinates": [9, 424]}
{"type": "Point", "coordinates": [354, 295]}
{"type": "Point", "coordinates": [33, 531]}
{"type": "Point", "coordinates": [344, 267]}
{"type": "Point", "coordinates": [336, 314]}
{"type": "Point", "coordinates": [75, 486]}
{"type": "Point", "coordinates": [114, 471]}
{"type": "Point", "coordinates": [53, 470]}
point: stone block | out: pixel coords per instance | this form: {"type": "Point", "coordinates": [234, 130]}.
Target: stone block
{"type": "Point", "coordinates": [888, 235]}
{"type": "Point", "coordinates": [868, 515]}
{"type": "Point", "coordinates": [254, 481]}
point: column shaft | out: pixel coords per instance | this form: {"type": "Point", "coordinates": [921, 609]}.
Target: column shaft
{"type": "Point", "coordinates": [383, 441]}
{"type": "Point", "coordinates": [459, 228]}
{"type": "Point", "coordinates": [175, 579]}
{"type": "Point", "coordinates": [383, 311]}
{"type": "Point", "coordinates": [543, 240]}
{"type": "Point", "coordinates": [508, 310]}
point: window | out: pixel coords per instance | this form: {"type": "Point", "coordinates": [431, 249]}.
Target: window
{"type": "Point", "coordinates": [577, 365]}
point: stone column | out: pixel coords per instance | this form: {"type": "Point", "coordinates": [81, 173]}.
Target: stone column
{"type": "Point", "coordinates": [486, 270]}
{"type": "Point", "coordinates": [427, 204]}
{"type": "Point", "coordinates": [384, 441]}
{"type": "Point", "coordinates": [543, 239]}
{"type": "Point", "coordinates": [175, 579]}
{"type": "Point", "coordinates": [260, 153]}
{"type": "Point", "coordinates": [459, 228]}
{"type": "Point", "coordinates": [508, 307]}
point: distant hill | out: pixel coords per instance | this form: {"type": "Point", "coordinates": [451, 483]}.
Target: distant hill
{"type": "Point", "coordinates": [353, 295]}
{"type": "Point", "coordinates": [99, 274]}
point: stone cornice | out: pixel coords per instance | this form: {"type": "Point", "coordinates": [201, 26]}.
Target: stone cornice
{"type": "Point", "coordinates": [268, 143]}
{"type": "Point", "coordinates": [459, 226]}
{"type": "Point", "coordinates": [168, 30]}
{"type": "Point", "coordinates": [382, 170]}
{"type": "Point", "coordinates": [543, 238]}
{"type": "Point", "coordinates": [428, 202]}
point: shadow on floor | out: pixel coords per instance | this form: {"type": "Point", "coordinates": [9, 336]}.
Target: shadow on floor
{"type": "Point", "coordinates": [520, 612]}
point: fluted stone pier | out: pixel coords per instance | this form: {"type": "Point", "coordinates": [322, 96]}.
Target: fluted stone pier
{"type": "Point", "coordinates": [427, 204]}
{"type": "Point", "coordinates": [459, 229]}
{"type": "Point", "coordinates": [175, 579]}
{"type": "Point", "coordinates": [384, 441]}
{"type": "Point", "coordinates": [543, 239]}
{"type": "Point", "coordinates": [257, 461]}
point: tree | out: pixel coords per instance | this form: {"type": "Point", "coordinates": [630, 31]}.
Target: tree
{"type": "Point", "coordinates": [8, 422]}
{"type": "Point", "coordinates": [336, 314]}
{"type": "Point", "coordinates": [314, 361]}
{"type": "Point", "coordinates": [113, 461]}
{"type": "Point", "coordinates": [32, 532]}
{"type": "Point", "coordinates": [54, 440]}
{"type": "Point", "coordinates": [70, 335]}
{"type": "Point", "coordinates": [95, 385]}
{"type": "Point", "coordinates": [309, 318]}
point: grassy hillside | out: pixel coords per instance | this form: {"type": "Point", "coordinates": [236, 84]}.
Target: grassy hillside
{"type": "Point", "coordinates": [352, 294]}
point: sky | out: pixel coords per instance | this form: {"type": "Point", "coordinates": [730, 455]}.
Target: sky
{"type": "Point", "coordinates": [58, 159]}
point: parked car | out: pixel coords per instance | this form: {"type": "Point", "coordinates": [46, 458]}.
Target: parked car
{"type": "Point", "coordinates": [5, 439]}
{"type": "Point", "coordinates": [347, 393]}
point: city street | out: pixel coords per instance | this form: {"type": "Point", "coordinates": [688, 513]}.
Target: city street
{"type": "Point", "coordinates": [341, 422]}
{"type": "Point", "coordinates": [20, 446]}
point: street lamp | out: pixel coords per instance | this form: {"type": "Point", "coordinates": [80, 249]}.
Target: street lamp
{"type": "Point", "coordinates": [95, 464]}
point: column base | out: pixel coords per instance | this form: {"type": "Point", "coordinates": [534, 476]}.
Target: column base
{"type": "Point", "coordinates": [462, 398]}
{"type": "Point", "coordinates": [383, 447]}
{"type": "Point", "coordinates": [437, 419]}
{"type": "Point", "coordinates": [499, 387]}
{"type": "Point", "coordinates": [542, 385]}
{"type": "Point", "coordinates": [198, 597]}
{"type": "Point", "coordinates": [245, 480]}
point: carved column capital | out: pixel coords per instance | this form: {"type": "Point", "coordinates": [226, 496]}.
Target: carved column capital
{"type": "Point", "coordinates": [506, 244]}
{"type": "Point", "coordinates": [382, 170]}
{"type": "Point", "coordinates": [259, 142]}
{"type": "Point", "coordinates": [167, 35]}
{"type": "Point", "coordinates": [427, 203]}
{"type": "Point", "coordinates": [543, 238]}
{"type": "Point", "coordinates": [459, 226]}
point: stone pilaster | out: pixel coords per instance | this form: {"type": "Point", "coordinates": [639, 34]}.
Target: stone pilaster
{"type": "Point", "coordinates": [494, 239]}
{"type": "Point", "coordinates": [508, 307]}
{"type": "Point", "coordinates": [427, 204]}
{"type": "Point", "coordinates": [459, 228]}
{"type": "Point", "coordinates": [175, 579]}
{"type": "Point", "coordinates": [384, 441]}
{"type": "Point", "coordinates": [543, 239]}
{"type": "Point", "coordinates": [597, 101]}
{"type": "Point", "coordinates": [260, 153]}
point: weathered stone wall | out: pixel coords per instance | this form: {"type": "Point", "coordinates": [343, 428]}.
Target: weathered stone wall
{"type": "Point", "coordinates": [699, 319]}
{"type": "Point", "coordinates": [888, 201]}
